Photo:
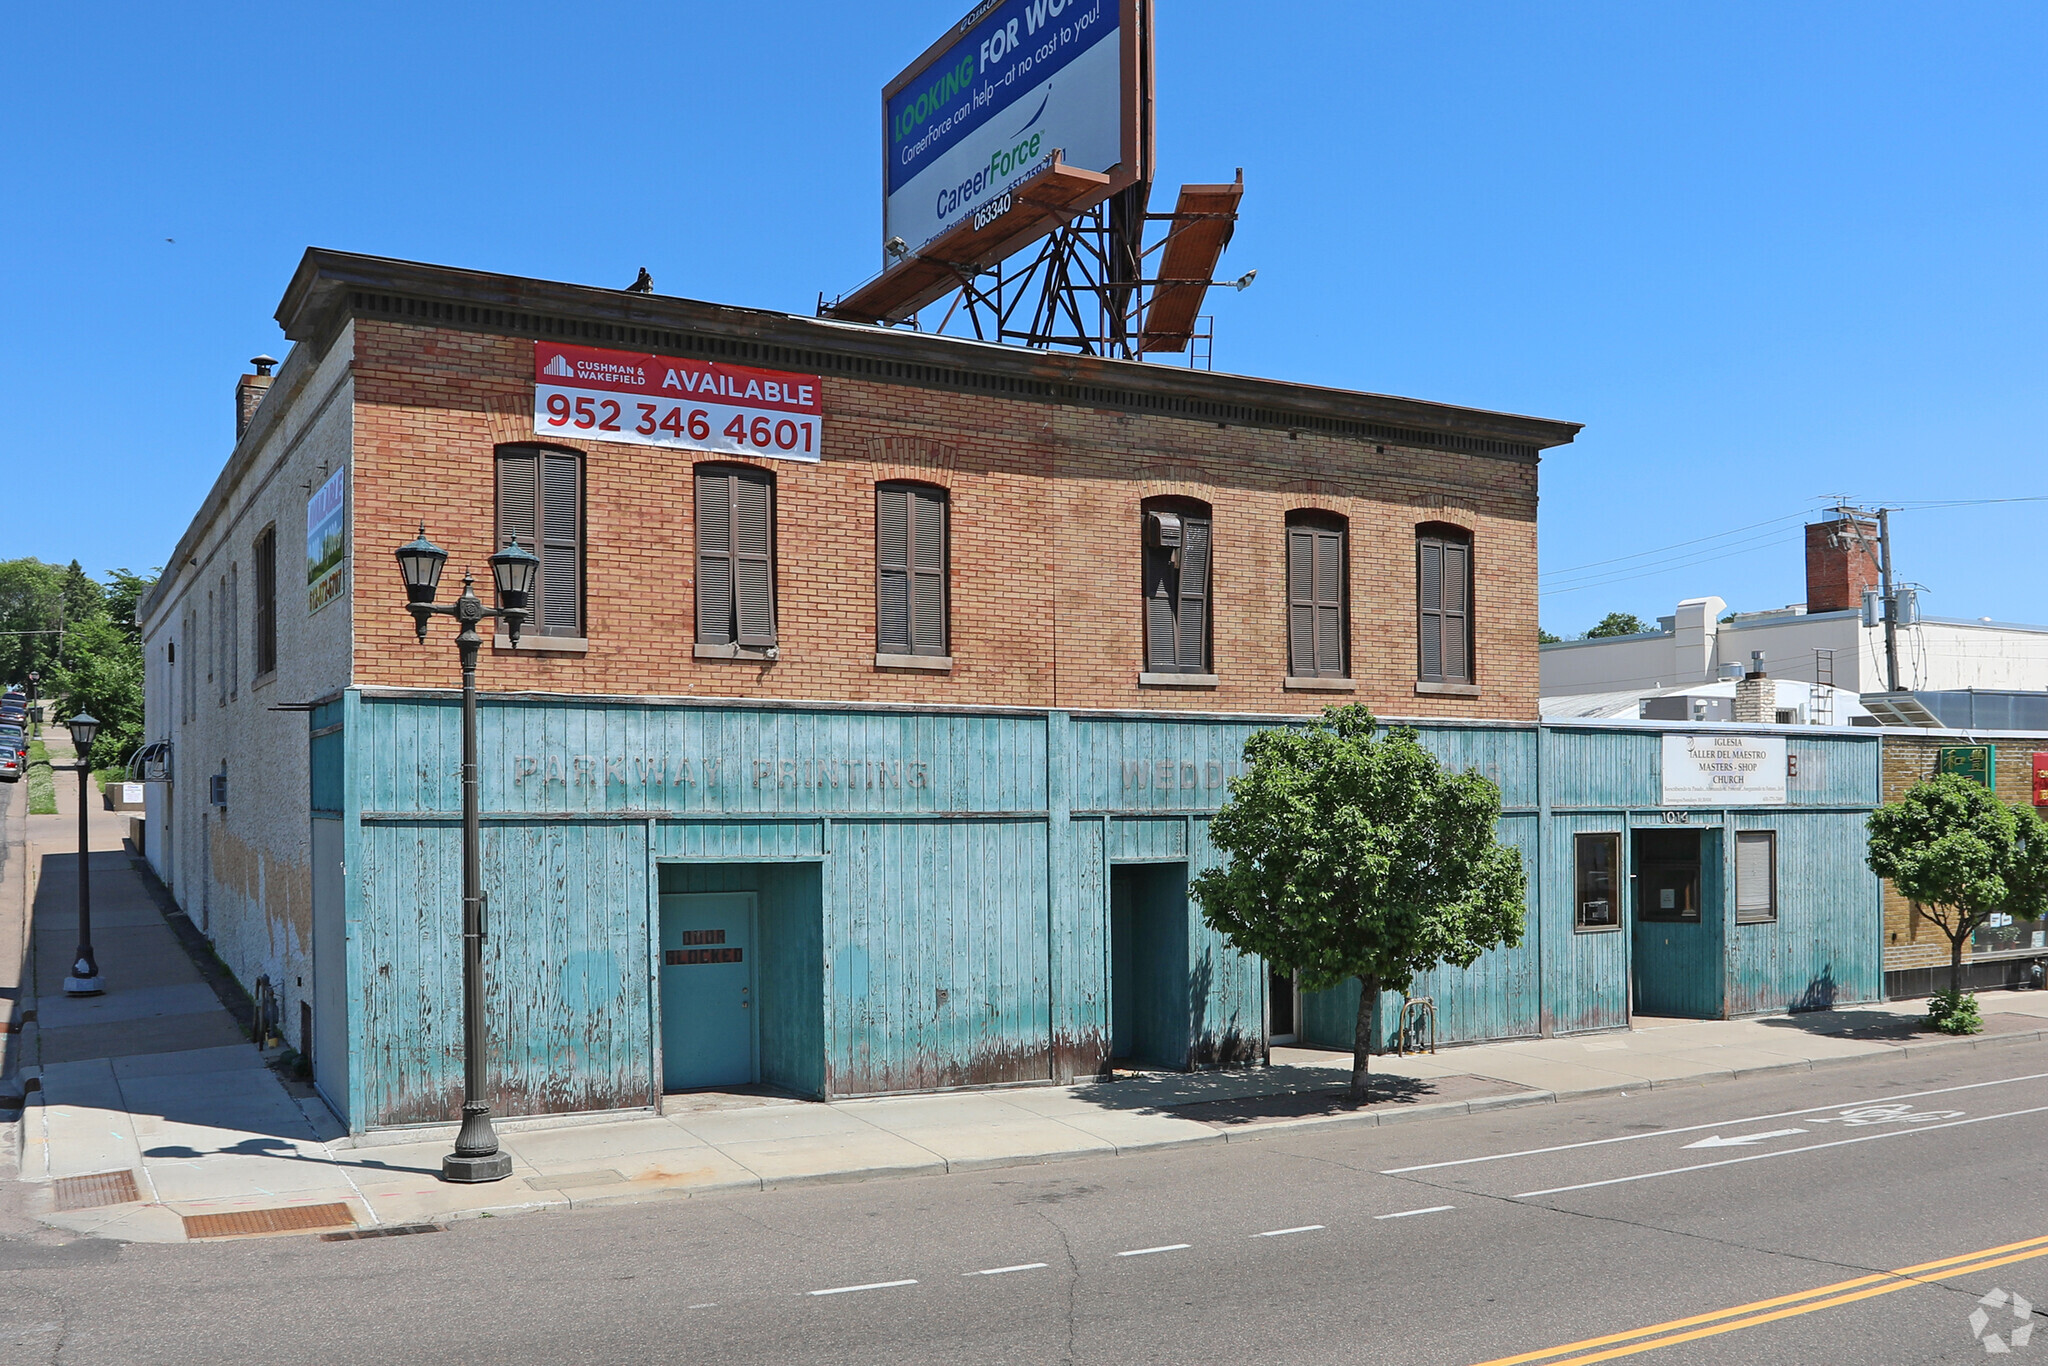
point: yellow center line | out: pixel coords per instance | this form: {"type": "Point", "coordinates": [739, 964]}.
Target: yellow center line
{"type": "Point", "coordinates": [1804, 1302]}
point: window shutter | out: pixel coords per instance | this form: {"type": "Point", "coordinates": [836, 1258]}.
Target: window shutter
{"type": "Point", "coordinates": [518, 495]}
{"type": "Point", "coordinates": [928, 572]}
{"type": "Point", "coordinates": [1192, 607]}
{"type": "Point", "coordinates": [1301, 601]}
{"type": "Point", "coordinates": [714, 557]}
{"type": "Point", "coordinates": [561, 572]}
{"type": "Point", "coordinates": [892, 570]}
{"type": "Point", "coordinates": [1456, 617]}
{"type": "Point", "coordinates": [753, 542]}
{"type": "Point", "coordinates": [1160, 650]}
{"type": "Point", "coordinates": [1755, 875]}
{"type": "Point", "coordinates": [1430, 590]}
{"type": "Point", "coordinates": [1329, 588]}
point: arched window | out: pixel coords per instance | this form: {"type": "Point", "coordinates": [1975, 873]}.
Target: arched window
{"type": "Point", "coordinates": [735, 557]}
{"type": "Point", "coordinates": [910, 569]}
{"type": "Point", "coordinates": [1318, 627]}
{"type": "Point", "coordinates": [1177, 552]}
{"type": "Point", "coordinates": [1443, 590]}
{"type": "Point", "coordinates": [540, 500]}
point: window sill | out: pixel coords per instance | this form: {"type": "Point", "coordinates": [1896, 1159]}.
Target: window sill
{"type": "Point", "coordinates": [937, 664]}
{"type": "Point", "coordinates": [1447, 689]}
{"type": "Point", "coordinates": [1146, 680]}
{"type": "Point", "coordinates": [261, 681]}
{"type": "Point", "coordinates": [1320, 684]}
{"type": "Point", "coordinates": [1596, 929]}
{"type": "Point", "coordinates": [767, 655]}
{"type": "Point", "coordinates": [561, 645]}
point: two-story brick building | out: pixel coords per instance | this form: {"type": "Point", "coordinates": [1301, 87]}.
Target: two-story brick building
{"type": "Point", "coordinates": [878, 693]}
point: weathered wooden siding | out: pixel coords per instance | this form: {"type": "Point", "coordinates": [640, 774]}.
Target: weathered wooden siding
{"type": "Point", "coordinates": [1227, 989]}
{"type": "Point", "coordinates": [1678, 967]}
{"type": "Point", "coordinates": [1585, 972]}
{"type": "Point", "coordinates": [1823, 950]}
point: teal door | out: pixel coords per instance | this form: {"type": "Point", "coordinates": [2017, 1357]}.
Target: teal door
{"type": "Point", "coordinates": [1676, 948]}
{"type": "Point", "coordinates": [707, 990]}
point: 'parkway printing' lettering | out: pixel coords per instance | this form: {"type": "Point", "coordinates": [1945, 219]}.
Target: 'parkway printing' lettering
{"type": "Point", "coordinates": [591, 770]}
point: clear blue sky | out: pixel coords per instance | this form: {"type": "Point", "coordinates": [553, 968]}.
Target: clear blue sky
{"type": "Point", "coordinates": [1766, 253]}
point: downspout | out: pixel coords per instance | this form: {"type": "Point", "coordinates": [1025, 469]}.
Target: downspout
{"type": "Point", "coordinates": [1544, 1024]}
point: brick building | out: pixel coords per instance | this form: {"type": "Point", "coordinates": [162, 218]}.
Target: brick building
{"type": "Point", "coordinates": [873, 709]}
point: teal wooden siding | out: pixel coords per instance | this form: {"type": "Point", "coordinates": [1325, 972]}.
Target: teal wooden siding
{"type": "Point", "coordinates": [935, 889]}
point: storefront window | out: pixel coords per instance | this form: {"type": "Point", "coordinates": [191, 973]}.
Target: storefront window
{"type": "Point", "coordinates": [1598, 858]}
{"type": "Point", "coordinates": [2002, 934]}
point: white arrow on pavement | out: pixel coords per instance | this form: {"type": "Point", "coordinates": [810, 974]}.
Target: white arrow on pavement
{"type": "Point", "coordinates": [1742, 1140]}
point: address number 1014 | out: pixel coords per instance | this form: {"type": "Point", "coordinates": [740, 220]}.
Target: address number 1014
{"type": "Point", "coordinates": [606, 414]}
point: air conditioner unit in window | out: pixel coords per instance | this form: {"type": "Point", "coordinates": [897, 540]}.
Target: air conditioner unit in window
{"type": "Point", "coordinates": [1162, 529]}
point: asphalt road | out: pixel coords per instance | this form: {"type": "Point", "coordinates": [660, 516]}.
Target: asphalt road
{"type": "Point", "coordinates": [1724, 1211]}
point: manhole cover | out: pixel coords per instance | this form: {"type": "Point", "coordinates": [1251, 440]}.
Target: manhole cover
{"type": "Point", "coordinates": [289, 1219]}
{"type": "Point", "coordinates": [100, 1188]}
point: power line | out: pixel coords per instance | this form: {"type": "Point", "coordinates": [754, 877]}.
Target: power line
{"type": "Point", "coordinates": [1680, 545]}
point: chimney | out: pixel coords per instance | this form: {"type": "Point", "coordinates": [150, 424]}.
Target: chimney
{"type": "Point", "coordinates": [1841, 561]}
{"type": "Point", "coordinates": [1756, 693]}
{"type": "Point", "coordinates": [249, 391]}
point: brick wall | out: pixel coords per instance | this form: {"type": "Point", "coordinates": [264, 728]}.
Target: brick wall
{"type": "Point", "coordinates": [1045, 544]}
{"type": "Point", "coordinates": [1909, 941]}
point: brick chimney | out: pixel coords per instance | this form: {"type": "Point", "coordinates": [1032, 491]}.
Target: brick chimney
{"type": "Point", "coordinates": [1756, 693]}
{"type": "Point", "coordinates": [1841, 561]}
{"type": "Point", "coordinates": [250, 389]}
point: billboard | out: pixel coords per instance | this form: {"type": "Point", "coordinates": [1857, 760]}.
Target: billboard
{"type": "Point", "coordinates": [693, 405]}
{"type": "Point", "coordinates": [327, 541]}
{"type": "Point", "coordinates": [987, 106]}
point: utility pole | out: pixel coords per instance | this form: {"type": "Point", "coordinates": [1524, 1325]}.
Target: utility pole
{"type": "Point", "coordinates": [1891, 602]}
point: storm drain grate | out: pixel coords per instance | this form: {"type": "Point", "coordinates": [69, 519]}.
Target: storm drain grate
{"type": "Point", "coordinates": [289, 1219]}
{"type": "Point", "coordinates": [382, 1231]}
{"type": "Point", "coordinates": [99, 1188]}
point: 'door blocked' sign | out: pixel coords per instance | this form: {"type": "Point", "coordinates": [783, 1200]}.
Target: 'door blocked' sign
{"type": "Point", "coordinates": [1724, 770]}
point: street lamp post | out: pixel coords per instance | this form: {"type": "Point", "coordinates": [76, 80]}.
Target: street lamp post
{"type": "Point", "coordinates": [476, 1156]}
{"type": "Point", "coordinates": [85, 969]}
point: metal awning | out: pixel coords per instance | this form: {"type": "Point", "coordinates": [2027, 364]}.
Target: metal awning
{"type": "Point", "coordinates": [1900, 709]}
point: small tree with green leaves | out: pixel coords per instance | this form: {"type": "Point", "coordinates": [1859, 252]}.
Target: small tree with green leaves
{"type": "Point", "coordinates": [1961, 855]}
{"type": "Point", "coordinates": [1617, 624]}
{"type": "Point", "coordinates": [1354, 854]}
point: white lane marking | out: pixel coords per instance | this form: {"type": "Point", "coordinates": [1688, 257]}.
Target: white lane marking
{"type": "Point", "coordinates": [1742, 1140]}
{"type": "Point", "coordinates": [871, 1285]}
{"type": "Point", "coordinates": [1781, 1152]}
{"type": "Point", "coordinates": [1695, 1128]}
{"type": "Point", "coordinates": [1432, 1209]}
{"type": "Point", "coordinates": [1277, 1232]}
{"type": "Point", "coordinates": [711, 1305]}
{"type": "Point", "coordinates": [1006, 1270]}
{"type": "Point", "coordinates": [1147, 1251]}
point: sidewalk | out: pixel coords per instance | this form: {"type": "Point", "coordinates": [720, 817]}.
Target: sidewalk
{"type": "Point", "coordinates": [157, 1121]}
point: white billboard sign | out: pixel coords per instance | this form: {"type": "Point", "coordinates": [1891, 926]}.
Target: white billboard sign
{"type": "Point", "coordinates": [1724, 770]}
{"type": "Point", "coordinates": [985, 110]}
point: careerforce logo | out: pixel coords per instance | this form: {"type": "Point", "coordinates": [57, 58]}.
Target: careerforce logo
{"type": "Point", "coordinates": [1003, 164]}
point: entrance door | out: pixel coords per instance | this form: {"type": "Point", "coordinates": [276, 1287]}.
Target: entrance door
{"type": "Point", "coordinates": [707, 990]}
{"type": "Point", "coordinates": [1282, 1010]}
{"type": "Point", "coordinates": [1676, 959]}
{"type": "Point", "coordinates": [1148, 964]}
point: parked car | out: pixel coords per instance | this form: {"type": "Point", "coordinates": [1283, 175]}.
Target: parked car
{"type": "Point", "coordinates": [14, 740]}
{"type": "Point", "coordinates": [10, 765]}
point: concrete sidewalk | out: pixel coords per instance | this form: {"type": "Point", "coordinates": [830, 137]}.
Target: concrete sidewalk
{"type": "Point", "coordinates": [157, 1121]}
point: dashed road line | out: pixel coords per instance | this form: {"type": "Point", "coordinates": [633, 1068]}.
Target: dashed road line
{"type": "Point", "coordinates": [1147, 1251]}
{"type": "Point", "coordinates": [871, 1285]}
{"type": "Point", "coordinates": [1006, 1270]}
{"type": "Point", "coordinates": [1279, 1232]}
{"type": "Point", "coordinates": [1403, 1214]}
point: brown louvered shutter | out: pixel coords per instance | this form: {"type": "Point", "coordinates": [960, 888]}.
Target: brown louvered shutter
{"type": "Point", "coordinates": [928, 572]}
{"type": "Point", "coordinates": [714, 557]}
{"type": "Point", "coordinates": [519, 515]}
{"type": "Point", "coordinates": [1161, 647]}
{"type": "Point", "coordinates": [1315, 601]}
{"type": "Point", "coordinates": [1329, 588]}
{"type": "Point", "coordinates": [892, 570]}
{"type": "Point", "coordinates": [753, 541]}
{"type": "Point", "coordinates": [560, 609]}
{"type": "Point", "coordinates": [1456, 612]}
{"type": "Point", "coordinates": [1430, 583]}
{"type": "Point", "coordinates": [1192, 606]}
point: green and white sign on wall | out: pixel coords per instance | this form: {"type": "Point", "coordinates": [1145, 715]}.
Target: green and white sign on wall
{"type": "Point", "coordinates": [327, 541]}
{"type": "Point", "coordinates": [1976, 762]}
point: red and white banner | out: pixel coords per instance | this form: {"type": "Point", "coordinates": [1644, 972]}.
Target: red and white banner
{"type": "Point", "coordinates": [695, 405]}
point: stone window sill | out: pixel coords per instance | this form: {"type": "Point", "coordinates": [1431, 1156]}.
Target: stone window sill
{"type": "Point", "coordinates": [1321, 684]}
{"type": "Point", "coordinates": [937, 664]}
{"type": "Point", "coordinates": [1146, 680]}
{"type": "Point", "coordinates": [261, 681]}
{"type": "Point", "coordinates": [563, 645]}
{"type": "Point", "coordinates": [764, 656]}
{"type": "Point", "coordinates": [1447, 689]}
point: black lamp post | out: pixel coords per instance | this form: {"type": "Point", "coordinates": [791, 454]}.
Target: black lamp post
{"type": "Point", "coordinates": [476, 1156]}
{"type": "Point", "coordinates": [85, 969]}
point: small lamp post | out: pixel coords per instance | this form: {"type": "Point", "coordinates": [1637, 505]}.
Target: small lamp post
{"type": "Point", "coordinates": [420, 561]}
{"type": "Point", "coordinates": [85, 969]}
{"type": "Point", "coordinates": [35, 712]}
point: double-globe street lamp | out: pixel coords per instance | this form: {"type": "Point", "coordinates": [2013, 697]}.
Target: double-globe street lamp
{"type": "Point", "coordinates": [476, 1156]}
{"type": "Point", "coordinates": [85, 969]}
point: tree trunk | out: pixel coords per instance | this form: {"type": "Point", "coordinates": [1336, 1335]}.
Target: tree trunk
{"type": "Point", "coordinates": [1361, 1039]}
{"type": "Point", "coordinates": [1955, 965]}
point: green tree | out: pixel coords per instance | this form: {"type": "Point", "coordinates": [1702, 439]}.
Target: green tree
{"type": "Point", "coordinates": [82, 597]}
{"type": "Point", "coordinates": [1544, 637]}
{"type": "Point", "coordinates": [31, 594]}
{"type": "Point", "coordinates": [99, 668]}
{"type": "Point", "coordinates": [1617, 624]}
{"type": "Point", "coordinates": [1355, 854]}
{"type": "Point", "coordinates": [1961, 855]}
